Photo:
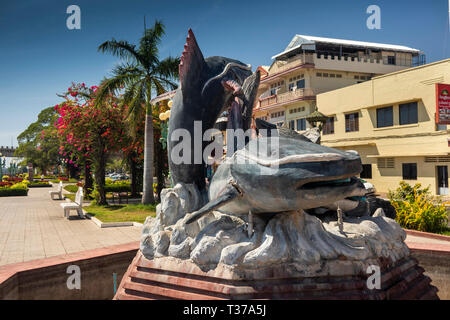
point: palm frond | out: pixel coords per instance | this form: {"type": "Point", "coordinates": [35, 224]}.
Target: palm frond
{"type": "Point", "coordinates": [113, 85]}
{"type": "Point", "coordinates": [167, 84]}
{"type": "Point", "coordinates": [148, 45]}
{"type": "Point", "coordinates": [167, 68]}
{"type": "Point", "coordinates": [121, 49]}
{"type": "Point", "coordinates": [136, 104]}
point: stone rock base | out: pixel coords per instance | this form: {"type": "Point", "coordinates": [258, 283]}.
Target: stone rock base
{"type": "Point", "coordinates": [172, 278]}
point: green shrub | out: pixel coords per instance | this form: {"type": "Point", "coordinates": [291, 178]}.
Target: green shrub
{"type": "Point", "coordinates": [119, 186]}
{"type": "Point", "coordinates": [407, 192]}
{"type": "Point", "coordinates": [40, 184]}
{"type": "Point", "coordinates": [417, 210]}
{"type": "Point", "coordinates": [19, 185]}
{"type": "Point", "coordinates": [54, 181]}
{"type": "Point", "coordinates": [73, 180]}
{"type": "Point", "coordinates": [19, 189]}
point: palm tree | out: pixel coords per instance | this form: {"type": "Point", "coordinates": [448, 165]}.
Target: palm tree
{"type": "Point", "coordinates": [141, 75]}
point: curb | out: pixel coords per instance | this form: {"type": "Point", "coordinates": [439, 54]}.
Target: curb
{"type": "Point", "coordinates": [111, 224]}
{"type": "Point", "coordinates": [427, 235]}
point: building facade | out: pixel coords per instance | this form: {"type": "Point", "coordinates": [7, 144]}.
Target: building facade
{"type": "Point", "coordinates": [313, 65]}
{"type": "Point", "coordinates": [391, 121]}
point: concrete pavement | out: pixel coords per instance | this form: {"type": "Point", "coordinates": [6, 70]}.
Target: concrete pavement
{"type": "Point", "coordinates": [33, 227]}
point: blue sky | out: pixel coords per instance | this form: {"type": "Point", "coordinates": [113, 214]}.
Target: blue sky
{"type": "Point", "coordinates": [40, 57]}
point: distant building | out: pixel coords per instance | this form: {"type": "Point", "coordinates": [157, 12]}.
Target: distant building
{"type": "Point", "coordinates": [391, 121]}
{"type": "Point", "coordinates": [7, 151]}
{"type": "Point", "coordinates": [313, 65]}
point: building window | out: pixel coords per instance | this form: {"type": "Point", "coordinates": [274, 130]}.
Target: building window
{"type": "Point", "coordinates": [351, 122]}
{"type": "Point", "coordinates": [385, 117]}
{"type": "Point", "coordinates": [366, 172]}
{"type": "Point", "coordinates": [325, 75]}
{"type": "Point", "coordinates": [332, 75]}
{"type": "Point", "coordinates": [409, 171]}
{"type": "Point", "coordinates": [328, 127]}
{"type": "Point", "coordinates": [301, 124]}
{"type": "Point", "coordinates": [408, 113]}
{"type": "Point", "coordinates": [301, 84]}
{"type": "Point", "coordinates": [319, 74]}
{"type": "Point", "coordinates": [386, 163]}
{"type": "Point", "coordinates": [356, 77]}
{"type": "Point", "coordinates": [292, 124]}
{"type": "Point", "coordinates": [296, 110]}
{"type": "Point", "coordinates": [391, 60]}
{"type": "Point", "coordinates": [339, 76]}
{"type": "Point", "coordinates": [277, 114]}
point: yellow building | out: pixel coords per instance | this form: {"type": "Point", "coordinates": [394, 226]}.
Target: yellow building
{"type": "Point", "coordinates": [312, 65]}
{"type": "Point", "coordinates": [390, 120]}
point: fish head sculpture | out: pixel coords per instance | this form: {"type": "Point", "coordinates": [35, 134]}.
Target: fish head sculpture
{"type": "Point", "coordinates": [281, 174]}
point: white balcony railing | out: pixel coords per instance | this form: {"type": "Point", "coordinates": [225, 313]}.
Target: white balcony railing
{"type": "Point", "coordinates": [281, 66]}
{"type": "Point", "coordinates": [286, 97]}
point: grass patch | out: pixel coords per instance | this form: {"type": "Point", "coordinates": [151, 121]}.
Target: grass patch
{"type": "Point", "coordinates": [70, 196]}
{"type": "Point", "coordinates": [122, 212]}
{"type": "Point", "coordinates": [73, 188]}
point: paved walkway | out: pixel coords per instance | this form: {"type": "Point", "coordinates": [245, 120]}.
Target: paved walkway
{"type": "Point", "coordinates": [424, 240]}
{"type": "Point", "coordinates": [33, 227]}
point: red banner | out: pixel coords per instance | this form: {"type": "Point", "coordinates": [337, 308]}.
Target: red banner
{"type": "Point", "coordinates": [442, 103]}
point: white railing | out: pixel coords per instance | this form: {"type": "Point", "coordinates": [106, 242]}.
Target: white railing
{"type": "Point", "coordinates": [286, 97]}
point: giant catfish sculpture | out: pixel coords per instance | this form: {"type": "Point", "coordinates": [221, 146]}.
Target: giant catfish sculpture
{"type": "Point", "coordinates": [258, 210]}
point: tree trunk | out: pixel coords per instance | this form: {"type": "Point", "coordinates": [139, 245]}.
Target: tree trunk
{"type": "Point", "coordinates": [100, 177]}
{"type": "Point", "coordinates": [159, 167]}
{"type": "Point", "coordinates": [88, 183]}
{"type": "Point", "coordinates": [147, 194]}
{"type": "Point", "coordinates": [133, 173]}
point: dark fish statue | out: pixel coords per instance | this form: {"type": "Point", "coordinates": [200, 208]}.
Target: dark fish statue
{"type": "Point", "coordinates": [208, 87]}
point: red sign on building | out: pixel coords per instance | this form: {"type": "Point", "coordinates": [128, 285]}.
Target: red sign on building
{"type": "Point", "coordinates": [442, 103]}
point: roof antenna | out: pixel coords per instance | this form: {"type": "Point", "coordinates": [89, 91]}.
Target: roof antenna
{"type": "Point", "coordinates": [145, 27]}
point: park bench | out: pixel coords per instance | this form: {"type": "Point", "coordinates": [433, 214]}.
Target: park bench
{"type": "Point", "coordinates": [58, 192]}
{"type": "Point", "coordinates": [120, 196]}
{"type": "Point", "coordinates": [77, 205]}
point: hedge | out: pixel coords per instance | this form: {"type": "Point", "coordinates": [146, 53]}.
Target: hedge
{"type": "Point", "coordinates": [117, 187]}
{"type": "Point", "coordinates": [8, 192]}
{"type": "Point", "coordinates": [39, 185]}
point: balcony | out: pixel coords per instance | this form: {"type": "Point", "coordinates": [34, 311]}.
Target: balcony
{"type": "Point", "coordinates": [284, 98]}
{"type": "Point", "coordinates": [284, 65]}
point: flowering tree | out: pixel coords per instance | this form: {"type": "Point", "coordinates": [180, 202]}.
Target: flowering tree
{"type": "Point", "coordinates": [90, 132]}
{"type": "Point", "coordinates": [38, 144]}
